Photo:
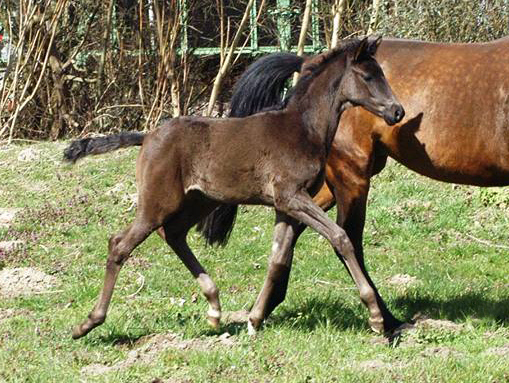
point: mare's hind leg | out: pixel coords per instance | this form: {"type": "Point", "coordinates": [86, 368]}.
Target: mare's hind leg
{"type": "Point", "coordinates": [120, 247]}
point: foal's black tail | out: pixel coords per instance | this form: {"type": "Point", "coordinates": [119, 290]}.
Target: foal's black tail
{"type": "Point", "coordinates": [260, 87]}
{"type": "Point", "coordinates": [98, 145]}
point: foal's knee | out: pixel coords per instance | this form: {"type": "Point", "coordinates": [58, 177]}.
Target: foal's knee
{"type": "Point", "coordinates": [341, 242]}
{"type": "Point", "coordinates": [116, 255]}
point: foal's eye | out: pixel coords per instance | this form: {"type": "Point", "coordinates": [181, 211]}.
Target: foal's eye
{"type": "Point", "coordinates": [367, 77]}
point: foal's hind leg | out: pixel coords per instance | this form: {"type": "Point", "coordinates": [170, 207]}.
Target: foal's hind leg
{"type": "Point", "coordinates": [175, 232]}
{"type": "Point", "coordinates": [120, 247]}
{"type": "Point", "coordinates": [278, 273]}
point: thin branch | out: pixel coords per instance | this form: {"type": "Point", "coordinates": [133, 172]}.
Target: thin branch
{"type": "Point", "coordinates": [302, 36]}
{"type": "Point", "coordinates": [226, 65]}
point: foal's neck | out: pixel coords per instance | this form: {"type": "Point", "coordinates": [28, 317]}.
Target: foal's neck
{"type": "Point", "coordinates": [320, 107]}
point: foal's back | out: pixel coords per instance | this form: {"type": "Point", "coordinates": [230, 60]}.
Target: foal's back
{"type": "Point", "coordinates": [234, 159]}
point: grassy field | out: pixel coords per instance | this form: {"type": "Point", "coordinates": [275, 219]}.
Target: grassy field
{"type": "Point", "coordinates": [448, 244]}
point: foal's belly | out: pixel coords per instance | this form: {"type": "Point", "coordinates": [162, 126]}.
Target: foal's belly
{"type": "Point", "coordinates": [234, 192]}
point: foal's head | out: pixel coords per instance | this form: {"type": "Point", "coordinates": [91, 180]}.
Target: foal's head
{"type": "Point", "coordinates": [364, 83]}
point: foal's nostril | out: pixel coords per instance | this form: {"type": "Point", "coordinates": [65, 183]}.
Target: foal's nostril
{"type": "Point", "coordinates": [399, 113]}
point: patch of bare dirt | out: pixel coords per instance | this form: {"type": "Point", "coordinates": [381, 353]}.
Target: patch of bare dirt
{"type": "Point", "coordinates": [6, 246]}
{"type": "Point", "coordinates": [376, 364]}
{"type": "Point", "coordinates": [439, 324]}
{"type": "Point", "coordinates": [402, 280]}
{"type": "Point", "coordinates": [10, 313]}
{"type": "Point", "coordinates": [22, 281]}
{"type": "Point", "coordinates": [235, 316]}
{"type": "Point", "coordinates": [151, 346]}
{"type": "Point", "coordinates": [498, 351]}
{"type": "Point", "coordinates": [29, 154]}
{"type": "Point", "coordinates": [441, 352]}
{"type": "Point", "coordinates": [7, 215]}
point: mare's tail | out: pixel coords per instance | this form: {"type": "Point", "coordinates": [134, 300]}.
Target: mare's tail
{"type": "Point", "coordinates": [260, 87]}
{"type": "Point", "coordinates": [98, 145]}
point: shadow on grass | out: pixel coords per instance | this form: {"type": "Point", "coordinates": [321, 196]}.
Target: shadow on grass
{"type": "Point", "coordinates": [118, 339]}
{"type": "Point", "coordinates": [456, 308]}
{"type": "Point", "coordinates": [327, 311]}
{"type": "Point", "coordinates": [320, 312]}
{"type": "Point", "coordinates": [316, 312]}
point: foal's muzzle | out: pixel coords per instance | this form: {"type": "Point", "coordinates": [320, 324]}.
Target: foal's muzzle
{"type": "Point", "coordinates": [394, 114]}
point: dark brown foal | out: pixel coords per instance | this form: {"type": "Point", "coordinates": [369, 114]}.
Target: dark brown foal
{"type": "Point", "coordinates": [189, 165]}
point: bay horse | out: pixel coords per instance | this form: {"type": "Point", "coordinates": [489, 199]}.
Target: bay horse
{"type": "Point", "coordinates": [188, 166]}
{"type": "Point", "coordinates": [456, 129]}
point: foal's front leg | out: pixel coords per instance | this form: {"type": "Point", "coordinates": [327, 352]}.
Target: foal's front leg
{"type": "Point", "coordinates": [300, 206]}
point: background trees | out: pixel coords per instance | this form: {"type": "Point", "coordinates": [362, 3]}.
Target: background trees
{"type": "Point", "coordinates": [81, 66]}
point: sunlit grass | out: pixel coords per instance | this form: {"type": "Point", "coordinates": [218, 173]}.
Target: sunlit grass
{"type": "Point", "coordinates": [452, 239]}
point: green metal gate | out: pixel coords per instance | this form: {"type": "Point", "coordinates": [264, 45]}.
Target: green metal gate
{"type": "Point", "coordinates": [283, 13]}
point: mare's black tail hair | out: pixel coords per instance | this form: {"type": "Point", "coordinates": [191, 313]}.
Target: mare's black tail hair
{"type": "Point", "coordinates": [98, 145]}
{"type": "Point", "coordinates": [259, 88]}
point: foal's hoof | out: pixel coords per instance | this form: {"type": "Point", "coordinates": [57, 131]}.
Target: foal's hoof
{"type": "Point", "coordinates": [80, 330]}
{"type": "Point", "coordinates": [377, 325]}
{"type": "Point", "coordinates": [253, 325]}
{"type": "Point", "coordinates": [214, 318]}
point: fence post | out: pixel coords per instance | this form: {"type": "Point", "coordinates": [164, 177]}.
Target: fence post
{"type": "Point", "coordinates": [315, 26]}
{"type": "Point", "coordinates": [183, 29]}
{"type": "Point", "coordinates": [254, 29]}
{"type": "Point", "coordinates": [283, 24]}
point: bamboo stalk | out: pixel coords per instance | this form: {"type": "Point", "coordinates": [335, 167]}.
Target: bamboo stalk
{"type": "Point", "coordinates": [228, 59]}
{"type": "Point", "coordinates": [302, 35]}
{"type": "Point", "coordinates": [337, 12]}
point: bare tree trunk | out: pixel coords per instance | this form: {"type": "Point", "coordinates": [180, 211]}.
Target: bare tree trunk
{"type": "Point", "coordinates": [374, 16]}
{"type": "Point", "coordinates": [228, 59]}
{"type": "Point", "coordinates": [38, 26]}
{"type": "Point", "coordinates": [337, 12]}
{"type": "Point", "coordinates": [106, 39]}
{"type": "Point", "coordinates": [167, 28]}
{"type": "Point", "coordinates": [302, 37]}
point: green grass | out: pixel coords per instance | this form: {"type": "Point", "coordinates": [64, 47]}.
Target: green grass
{"type": "Point", "coordinates": [432, 231]}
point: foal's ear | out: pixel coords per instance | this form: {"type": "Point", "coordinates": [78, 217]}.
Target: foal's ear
{"type": "Point", "coordinates": [361, 51]}
{"type": "Point", "coordinates": [373, 44]}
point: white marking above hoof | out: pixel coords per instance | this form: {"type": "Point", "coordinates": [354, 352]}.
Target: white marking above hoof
{"type": "Point", "coordinates": [251, 331]}
{"type": "Point", "coordinates": [213, 313]}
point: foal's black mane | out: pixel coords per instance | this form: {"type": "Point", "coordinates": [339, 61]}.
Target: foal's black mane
{"type": "Point", "coordinates": [262, 84]}
{"type": "Point", "coordinates": [311, 69]}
